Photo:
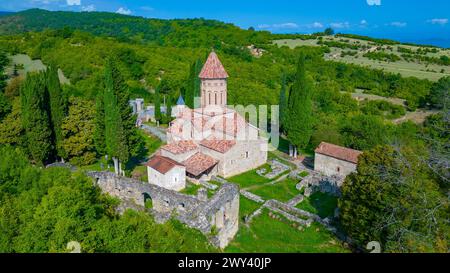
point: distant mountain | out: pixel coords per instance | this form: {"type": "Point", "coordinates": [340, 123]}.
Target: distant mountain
{"type": "Point", "coordinates": [180, 32]}
{"type": "Point", "coordinates": [5, 13]}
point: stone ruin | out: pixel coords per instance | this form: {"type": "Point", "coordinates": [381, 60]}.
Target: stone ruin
{"type": "Point", "coordinates": [277, 167]}
{"type": "Point", "coordinates": [216, 217]}
{"type": "Point", "coordinates": [318, 182]}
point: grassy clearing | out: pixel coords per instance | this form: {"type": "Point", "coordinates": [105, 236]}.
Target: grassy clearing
{"type": "Point", "coordinates": [266, 235]}
{"type": "Point", "coordinates": [250, 178]}
{"type": "Point", "coordinates": [247, 207]}
{"type": "Point", "coordinates": [282, 191]}
{"type": "Point", "coordinates": [319, 203]}
{"type": "Point", "coordinates": [417, 69]}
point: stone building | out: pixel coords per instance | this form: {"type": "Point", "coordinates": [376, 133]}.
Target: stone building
{"type": "Point", "coordinates": [214, 139]}
{"type": "Point", "coordinates": [333, 160]}
{"type": "Point", "coordinates": [167, 173]}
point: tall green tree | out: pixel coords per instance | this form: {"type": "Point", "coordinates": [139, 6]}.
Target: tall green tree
{"type": "Point", "coordinates": [78, 131]}
{"type": "Point", "coordinates": [57, 108]}
{"type": "Point", "coordinates": [158, 115]}
{"type": "Point", "coordinates": [389, 201]}
{"type": "Point", "coordinates": [439, 94]}
{"type": "Point", "coordinates": [299, 118]}
{"type": "Point", "coordinates": [193, 84]}
{"type": "Point", "coordinates": [99, 132]}
{"type": "Point", "coordinates": [115, 135]}
{"type": "Point", "coordinates": [35, 117]}
{"type": "Point", "coordinates": [283, 102]}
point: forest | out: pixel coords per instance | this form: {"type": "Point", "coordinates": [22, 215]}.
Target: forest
{"type": "Point", "coordinates": [111, 58]}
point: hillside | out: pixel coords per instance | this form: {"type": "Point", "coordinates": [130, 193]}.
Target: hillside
{"type": "Point", "coordinates": [189, 32]}
{"type": "Point", "coordinates": [423, 62]}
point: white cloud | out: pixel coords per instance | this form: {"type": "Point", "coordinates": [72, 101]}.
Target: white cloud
{"type": "Point", "coordinates": [398, 24]}
{"type": "Point", "coordinates": [363, 22]}
{"type": "Point", "coordinates": [316, 25]}
{"type": "Point", "coordinates": [88, 8]}
{"type": "Point", "coordinates": [279, 26]}
{"type": "Point", "coordinates": [73, 2]}
{"type": "Point", "coordinates": [340, 25]}
{"type": "Point", "coordinates": [374, 2]}
{"type": "Point", "coordinates": [124, 11]}
{"type": "Point", "coordinates": [438, 21]}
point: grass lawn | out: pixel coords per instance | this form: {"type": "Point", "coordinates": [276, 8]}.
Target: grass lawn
{"type": "Point", "coordinates": [152, 144]}
{"type": "Point", "coordinates": [247, 207]}
{"type": "Point", "coordinates": [250, 178]}
{"type": "Point", "coordinates": [282, 191]}
{"type": "Point", "coordinates": [407, 69]}
{"type": "Point", "coordinates": [191, 189]}
{"type": "Point", "coordinates": [319, 203]}
{"type": "Point", "coordinates": [267, 235]}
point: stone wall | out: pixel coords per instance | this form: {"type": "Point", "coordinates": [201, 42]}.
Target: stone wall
{"type": "Point", "coordinates": [331, 166]}
{"type": "Point", "coordinates": [217, 217]}
{"type": "Point", "coordinates": [213, 92]}
{"type": "Point", "coordinates": [236, 161]}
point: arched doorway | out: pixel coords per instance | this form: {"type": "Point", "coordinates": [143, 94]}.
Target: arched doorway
{"type": "Point", "coordinates": [148, 202]}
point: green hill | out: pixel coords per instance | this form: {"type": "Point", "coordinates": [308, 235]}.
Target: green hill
{"type": "Point", "coordinates": [181, 32]}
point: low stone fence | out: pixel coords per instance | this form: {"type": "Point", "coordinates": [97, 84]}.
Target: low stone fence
{"type": "Point", "coordinates": [252, 196]}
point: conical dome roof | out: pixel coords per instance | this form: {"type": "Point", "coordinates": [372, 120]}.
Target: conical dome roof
{"type": "Point", "coordinates": [213, 68]}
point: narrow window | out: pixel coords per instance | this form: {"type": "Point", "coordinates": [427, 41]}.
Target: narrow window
{"type": "Point", "coordinates": [338, 169]}
{"type": "Point", "coordinates": [247, 154]}
{"type": "Point", "coordinates": [215, 98]}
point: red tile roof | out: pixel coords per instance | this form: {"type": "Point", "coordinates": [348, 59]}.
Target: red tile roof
{"type": "Point", "coordinates": [338, 152]}
{"type": "Point", "coordinates": [180, 147]}
{"type": "Point", "coordinates": [213, 68]}
{"type": "Point", "coordinates": [199, 163]}
{"type": "Point", "coordinates": [162, 164]}
{"type": "Point", "coordinates": [221, 146]}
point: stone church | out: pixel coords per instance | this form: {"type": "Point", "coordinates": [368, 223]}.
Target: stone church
{"type": "Point", "coordinates": [211, 139]}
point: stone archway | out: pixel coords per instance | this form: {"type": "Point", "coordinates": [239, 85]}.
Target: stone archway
{"type": "Point", "coordinates": [148, 201]}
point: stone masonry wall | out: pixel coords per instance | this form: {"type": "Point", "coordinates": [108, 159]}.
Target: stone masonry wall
{"type": "Point", "coordinates": [330, 166]}
{"type": "Point", "coordinates": [217, 217]}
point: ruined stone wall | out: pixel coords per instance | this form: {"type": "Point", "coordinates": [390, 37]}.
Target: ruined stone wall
{"type": "Point", "coordinates": [331, 166]}
{"type": "Point", "coordinates": [217, 217]}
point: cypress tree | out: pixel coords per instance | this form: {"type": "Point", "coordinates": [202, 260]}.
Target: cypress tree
{"type": "Point", "coordinates": [115, 135]}
{"type": "Point", "coordinates": [299, 117]}
{"type": "Point", "coordinates": [169, 109]}
{"type": "Point", "coordinates": [193, 84]}
{"type": "Point", "coordinates": [57, 108]}
{"type": "Point", "coordinates": [283, 104]}
{"type": "Point", "coordinates": [197, 69]}
{"type": "Point", "coordinates": [35, 117]}
{"type": "Point", "coordinates": [158, 115]}
{"type": "Point", "coordinates": [189, 97]}
{"type": "Point", "coordinates": [99, 132]}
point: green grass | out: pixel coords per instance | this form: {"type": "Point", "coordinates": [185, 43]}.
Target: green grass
{"type": "Point", "coordinates": [267, 235]}
{"type": "Point", "coordinates": [152, 144]}
{"type": "Point", "coordinates": [191, 189]}
{"type": "Point", "coordinates": [282, 191]}
{"type": "Point", "coordinates": [319, 203]}
{"type": "Point", "coordinates": [247, 207]}
{"type": "Point", "coordinates": [250, 178]}
{"type": "Point", "coordinates": [406, 69]}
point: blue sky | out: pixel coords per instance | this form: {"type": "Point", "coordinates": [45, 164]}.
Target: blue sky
{"type": "Point", "coordinates": [406, 20]}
